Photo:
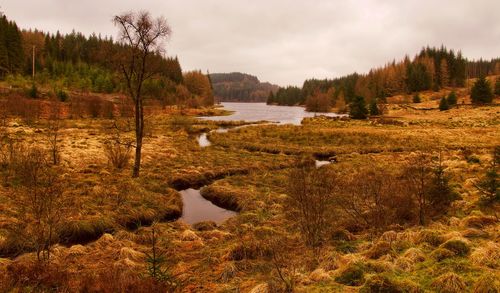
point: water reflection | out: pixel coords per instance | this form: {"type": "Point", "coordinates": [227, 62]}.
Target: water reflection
{"type": "Point", "coordinates": [261, 111]}
{"type": "Point", "coordinates": [197, 209]}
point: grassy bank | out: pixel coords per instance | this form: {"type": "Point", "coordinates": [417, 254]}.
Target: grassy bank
{"type": "Point", "coordinates": [106, 235]}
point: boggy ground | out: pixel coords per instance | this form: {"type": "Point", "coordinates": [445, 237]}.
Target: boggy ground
{"type": "Point", "coordinates": [261, 249]}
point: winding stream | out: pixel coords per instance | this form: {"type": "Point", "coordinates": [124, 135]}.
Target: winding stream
{"type": "Point", "coordinates": [196, 208]}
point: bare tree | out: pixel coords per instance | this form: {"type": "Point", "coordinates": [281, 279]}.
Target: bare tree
{"type": "Point", "coordinates": [53, 131]}
{"type": "Point", "coordinates": [40, 203]}
{"type": "Point", "coordinates": [116, 147]}
{"type": "Point", "coordinates": [364, 196]}
{"type": "Point", "coordinates": [418, 176]}
{"type": "Point", "coordinates": [309, 201]}
{"type": "Point", "coordinates": [142, 38]}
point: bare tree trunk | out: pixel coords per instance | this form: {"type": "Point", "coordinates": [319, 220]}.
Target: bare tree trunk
{"type": "Point", "coordinates": [139, 131]}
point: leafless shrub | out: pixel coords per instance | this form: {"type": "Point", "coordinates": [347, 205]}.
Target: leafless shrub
{"type": "Point", "coordinates": [3, 114]}
{"type": "Point", "coordinates": [285, 268]}
{"type": "Point", "coordinates": [76, 107]}
{"type": "Point", "coordinates": [417, 175]}
{"type": "Point", "coordinates": [94, 105]}
{"type": "Point", "coordinates": [364, 197]}
{"type": "Point", "coordinates": [118, 153]}
{"type": "Point", "coordinates": [39, 201]}
{"type": "Point", "coordinates": [125, 108]}
{"type": "Point", "coordinates": [107, 109]}
{"type": "Point", "coordinates": [427, 183]}
{"type": "Point", "coordinates": [4, 148]}
{"type": "Point", "coordinates": [373, 198]}
{"type": "Point", "coordinates": [11, 151]}
{"type": "Point", "coordinates": [310, 199]}
{"type": "Point", "coordinates": [35, 275]}
{"type": "Point", "coordinates": [27, 109]}
{"type": "Point", "coordinates": [54, 126]}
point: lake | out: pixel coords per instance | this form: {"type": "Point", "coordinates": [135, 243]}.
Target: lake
{"type": "Point", "coordinates": [253, 112]}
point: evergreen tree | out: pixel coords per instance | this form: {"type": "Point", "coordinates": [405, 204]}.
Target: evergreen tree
{"type": "Point", "coordinates": [444, 73]}
{"type": "Point", "coordinates": [271, 99]}
{"type": "Point", "coordinates": [418, 77]}
{"type": "Point", "coordinates": [15, 48]}
{"type": "Point", "coordinates": [4, 56]}
{"type": "Point", "coordinates": [481, 91]}
{"type": "Point", "coordinates": [416, 98]}
{"type": "Point", "coordinates": [452, 98]}
{"type": "Point", "coordinates": [11, 50]}
{"type": "Point", "coordinates": [374, 108]}
{"type": "Point", "coordinates": [460, 74]}
{"type": "Point", "coordinates": [443, 104]}
{"type": "Point", "coordinates": [174, 70]}
{"type": "Point", "coordinates": [357, 108]}
{"type": "Point", "coordinates": [488, 186]}
{"type": "Point", "coordinates": [210, 81]}
{"type": "Point", "coordinates": [497, 87]}
{"type": "Point", "coordinates": [289, 96]}
{"type": "Point", "coordinates": [441, 194]}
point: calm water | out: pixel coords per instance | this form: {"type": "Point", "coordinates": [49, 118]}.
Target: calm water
{"type": "Point", "coordinates": [198, 209]}
{"type": "Point", "coordinates": [203, 140]}
{"type": "Point", "coordinates": [322, 163]}
{"type": "Point", "coordinates": [261, 111]}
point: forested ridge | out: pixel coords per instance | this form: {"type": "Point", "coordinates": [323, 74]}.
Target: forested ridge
{"type": "Point", "coordinates": [65, 62]}
{"type": "Point", "coordinates": [240, 87]}
{"type": "Point", "coordinates": [430, 69]}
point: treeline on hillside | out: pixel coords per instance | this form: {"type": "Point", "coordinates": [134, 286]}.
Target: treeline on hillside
{"type": "Point", "coordinates": [240, 87]}
{"type": "Point", "coordinates": [11, 47]}
{"type": "Point", "coordinates": [77, 62]}
{"type": "Point", "coordinates": [431, 69]}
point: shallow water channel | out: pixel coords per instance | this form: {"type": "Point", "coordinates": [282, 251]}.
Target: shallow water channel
{"type": "Point", "coordinates": [196, 208]}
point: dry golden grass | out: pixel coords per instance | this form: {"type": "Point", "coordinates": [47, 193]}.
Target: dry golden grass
{"type": "Point", "coordinates": [237, 255]}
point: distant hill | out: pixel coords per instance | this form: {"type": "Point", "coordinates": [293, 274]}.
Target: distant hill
{"type": "Point", "coordinates": [240, 87]}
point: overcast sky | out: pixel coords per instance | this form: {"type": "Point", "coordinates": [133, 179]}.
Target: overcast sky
{"type": "Point", "coordinates": [286, 41]}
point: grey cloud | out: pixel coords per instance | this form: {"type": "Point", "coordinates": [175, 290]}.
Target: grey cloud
{"type": "Point", "coordinates": [286, 41]}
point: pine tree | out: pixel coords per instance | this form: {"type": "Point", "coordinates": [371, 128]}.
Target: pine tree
{"type": "Point", "coordinates": [452, 98]}
{"type": "Point", "coordinates": [416, 98]}
{"type": "Point", "coordinates": [488, 186]}
{"type": "Point", "coordinates": [4, 58]}
{"type": "Point", "coordinates": [14, 48]}
{"type": "Point", "coordinates": [374, 108]}
{"type": "Point", "coordinates": [176, 71]}
{"type": "Point", "coordinates": [418, 77]}
{"type": "Point", "coordinates": [4, 54]}
{"type": "Point", "coordinates": [444, 73]}
{"type": "Point", "coordinates": [497, 86]}
{"type": "Point", "coordinates": [156, 264]}
{"type": "Point", "coordinates": [271, 99]}
{"type": "Point", "coordinates": [210, 81]}
{"type": "Point", "coordinates": [481, 91]}
{"type": "Point", "coordinates": [460, 70]}
{"type": "Point", "coordinates": [443, 104]}
{"type": "Point", "coordinates": [441, 194]}
{"type": "Point", "coordinates": [357, 108]}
